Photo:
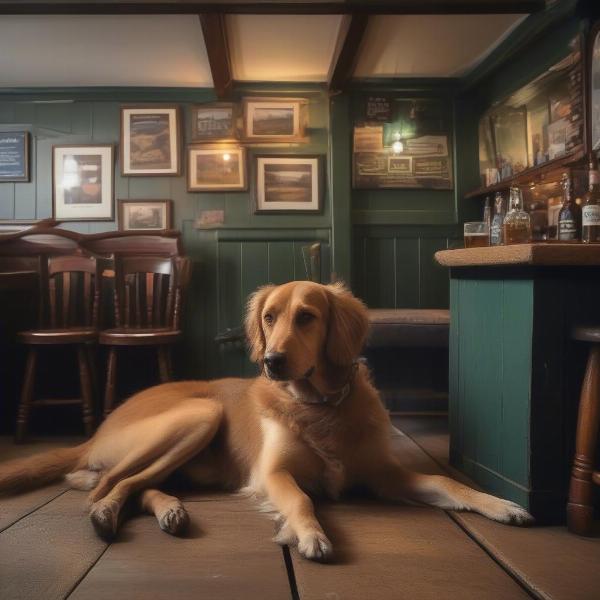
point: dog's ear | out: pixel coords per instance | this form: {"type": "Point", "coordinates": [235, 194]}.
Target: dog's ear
{"type": "Point", "coordinates": [348, 325]}
{"type": "Point", "coordinates": [254, 330]}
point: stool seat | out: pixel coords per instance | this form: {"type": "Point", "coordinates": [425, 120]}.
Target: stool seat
{"type": "Point", "coordinates": [408, 328]}
{"type": "Point", "coordinates": [133, 336]}
{"type": "Point", "coordinates": [58, 336]}
{"type": "Point", "coordinates": [586, 334]}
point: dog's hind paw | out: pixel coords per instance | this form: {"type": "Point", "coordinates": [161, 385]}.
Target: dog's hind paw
{"type": "Point", "coordinates": [315, 546]}
{"type": "Point", "coordinates": [174, 520]}
{"type": "Point", "coordinates": [105, 516]}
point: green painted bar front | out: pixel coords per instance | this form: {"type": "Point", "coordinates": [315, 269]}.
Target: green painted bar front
{"type": "Point", "coordinates": [515, 375]}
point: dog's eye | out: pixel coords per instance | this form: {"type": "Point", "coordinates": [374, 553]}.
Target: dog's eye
{"type": "Point", "coordinates": [268, 319]}
{"type": "Point", "coordinates": [304, 317]}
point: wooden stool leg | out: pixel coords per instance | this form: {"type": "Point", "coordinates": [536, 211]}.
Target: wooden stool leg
{"type": "Point", "coordinates": [163, 363]}
{"type": "Point", "coordinates": [111, 380]}
{"type": "Point", "coordinates": [85, 382]}
{"type": "Point", "coordinates": [26, 395]}
{"type": "Point", "coordinates": [580, 508]}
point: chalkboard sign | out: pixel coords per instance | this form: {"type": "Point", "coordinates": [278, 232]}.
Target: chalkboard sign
{"type": "Point", "coordinates": [14, 156]}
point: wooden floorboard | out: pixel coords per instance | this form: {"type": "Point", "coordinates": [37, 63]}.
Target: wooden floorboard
{"type": "Point", "coordinates": [43, 555]}
{"type": "Point", "coordinates": [395, 552]}
{"type": "Point", "coordinates": [228, 555]}
{"type": "Point", "coordinates": [551, 561]}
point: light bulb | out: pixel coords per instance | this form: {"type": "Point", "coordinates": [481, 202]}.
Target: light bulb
{"type": "Point", "coordinates": [397, 147]}
{"type": "Point", "coordinates": [226, 156]}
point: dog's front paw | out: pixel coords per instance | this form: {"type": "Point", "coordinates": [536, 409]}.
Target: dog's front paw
{"type": "Point", "coordinates": [285, 535]}
{"type": "Point", "coordinates": [315, 546]}
{"type": "Point", "coordinates": [510, 513]}
{"type": "Point", "coordinates": [174, 520]}
{"type": "Point", "coordinates": [105, 517]}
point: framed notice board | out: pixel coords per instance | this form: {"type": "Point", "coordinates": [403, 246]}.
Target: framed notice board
{"type": "Point", "coordinates": [14, 156]}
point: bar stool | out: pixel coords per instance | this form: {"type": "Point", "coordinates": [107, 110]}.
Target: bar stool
{"type": "Point", "coordinates": [72, 288]}
{"type": "Point", "coordinates": [148, 302]}
{"type": "Point", "coordinates": [583, 476]}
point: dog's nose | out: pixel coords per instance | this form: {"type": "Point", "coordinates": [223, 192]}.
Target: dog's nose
{"type": "Point", "coordinates": [275, 362]}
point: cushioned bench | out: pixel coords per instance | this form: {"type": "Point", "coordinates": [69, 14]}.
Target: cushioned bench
{"type": "Point", "coordinates": [408, 328]}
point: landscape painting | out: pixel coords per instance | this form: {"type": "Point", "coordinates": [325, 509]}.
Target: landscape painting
{"type": "Point", "coordinates": [274, 120]}
{"type": "Point", "coordinates": [144, 215]}
{"type": "Point", "coordinates": [216, 168]}
{"type": "Point", "coordinates": [213, 122]}
{"type": "Point", "coordinates": [288, 183]}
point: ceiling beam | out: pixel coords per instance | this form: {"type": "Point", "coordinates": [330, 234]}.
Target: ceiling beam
{"type": "Point", "coordinates": [348, 44]}
{"type": "Point", "coordinates": [217, 49]}
{"type": "Point", "coordinates": [376, 7]}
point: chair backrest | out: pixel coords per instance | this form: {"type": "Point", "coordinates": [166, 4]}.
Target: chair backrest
{"type": "Point", "coordinates": [73, 291]}
{"type": "Point", "coordinates": [149, 290]}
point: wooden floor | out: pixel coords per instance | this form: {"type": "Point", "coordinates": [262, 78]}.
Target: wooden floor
{"type": "Point", "coordinates": [48, 549]}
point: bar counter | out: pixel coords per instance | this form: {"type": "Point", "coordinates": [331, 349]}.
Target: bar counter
{"type": "Point", "coordinates": [515, 371]}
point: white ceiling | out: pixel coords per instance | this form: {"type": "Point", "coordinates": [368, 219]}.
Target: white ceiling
{"type": "Point", "coordinates": [430, 45]}
{"type": "Point", "coordinates": [59, 51]}
{"type": "Point", "coordinates": [282, 47]}
{"type": "Point", "coordinates": [169, 50]}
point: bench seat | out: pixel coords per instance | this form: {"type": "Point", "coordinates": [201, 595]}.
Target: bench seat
{"type": "Point", "coordinates": [408, 328]}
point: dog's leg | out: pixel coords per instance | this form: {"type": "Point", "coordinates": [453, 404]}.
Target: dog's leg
{"type": "Point", "coordinates": [297, 509]}
{"type": "Point", "coordinates": [394, 482]}
{"type": "Point", "coordinates": [189, 431]}
{"type": "Point", "coordinates": [168, 510]}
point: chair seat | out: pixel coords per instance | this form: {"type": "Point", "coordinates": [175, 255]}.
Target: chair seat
{"type": "Point", "coordinates": [124, 336]}
{"type": "Point", "coordinates": [586, 334]}
{"type": "Point", "coordinates": [70, 335]}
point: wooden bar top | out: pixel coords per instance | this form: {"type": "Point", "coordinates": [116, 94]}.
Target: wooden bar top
{"type": "Point", "coordinates": [540, 254]}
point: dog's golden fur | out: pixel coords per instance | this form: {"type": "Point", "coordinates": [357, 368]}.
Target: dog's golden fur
{"type": "Point", "coordinates": [314, 427]}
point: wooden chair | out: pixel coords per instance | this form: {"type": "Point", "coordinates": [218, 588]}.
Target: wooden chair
{"type": "Point", "coordinates": [148, 302]}
{"type": "Point", "coordinates": [72, 290]}
{"type": "Point", "coordinates": [580, 507]}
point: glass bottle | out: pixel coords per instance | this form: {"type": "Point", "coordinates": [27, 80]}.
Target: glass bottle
{"type": "Point", "coordinates": [487, 215]}
{"type": "Point", "coordinates": [496, 237]}
{"type": "Point", "coordinates": [590, 230]}
{"type": "Point", "coordinates": [569, 217]}
{"type": "Point", "coordinates": [517, 223]}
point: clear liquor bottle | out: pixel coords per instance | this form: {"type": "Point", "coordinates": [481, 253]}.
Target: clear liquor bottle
{"type": "Point", "coordinates": [569, 217]}
{"type": "Point", "coordinates": [496, 237]}
{"type": "Point", "coordinates": [517, 222]}
{"type": "Point", "coordinates": [590, 230]}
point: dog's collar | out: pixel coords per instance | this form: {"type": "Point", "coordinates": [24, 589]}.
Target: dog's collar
{"type": "Point", "coordinates": [333, 398]}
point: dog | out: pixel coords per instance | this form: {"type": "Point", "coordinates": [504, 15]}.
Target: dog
{"type": "Point", "coordinates": [311, 424]}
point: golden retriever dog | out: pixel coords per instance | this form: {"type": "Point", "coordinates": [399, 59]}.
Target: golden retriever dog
{"type": "Point", "coordinates": [311, 424]}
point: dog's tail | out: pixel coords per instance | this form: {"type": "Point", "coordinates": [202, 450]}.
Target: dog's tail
{"type": "Point", "coordinates": [35, 471]}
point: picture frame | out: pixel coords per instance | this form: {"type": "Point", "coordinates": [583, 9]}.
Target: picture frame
{"type": "Point", "coordinates": [145, 215]}
{"type": "Point", "coordinates": [83, 182]}
{"type": "Point", "coordinates": [274, 120]}
{"type": "Point", "coordinates": [216, 121]}
{"type": "Point", "coordinates": [217, 168]}
{"type": "Point", "coordinates": [14, 156]}
{"type": "Point", "coordinates": [150, 140]}
{"type": "Point", "coordinates": [288, 184]}
{"type": "Point", "coordinates": [509, 129]}
{"type": "Point", "coordinates": [593, 93]}
{"type": "Point", "coordinates": [557, 138]}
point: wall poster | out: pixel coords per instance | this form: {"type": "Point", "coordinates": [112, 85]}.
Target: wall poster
{"type": "Point", "coordinates": [412, 150]}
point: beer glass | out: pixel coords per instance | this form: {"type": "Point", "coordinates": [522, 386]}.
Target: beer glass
{"type": "Point", "coordinates": [477, 234]}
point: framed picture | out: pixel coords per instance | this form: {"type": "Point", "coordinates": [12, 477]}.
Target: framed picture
{"type": "Point", "coordinates": [14, 156]}
{"type": "Point", "coordinates": [212, 122]}
{"type": "Point", "coordinates": [217, 168]}
{"type": "Point", "coordinates": [274, 119]}
{"type": "Point", "coordinates": [150, 140]}
{"type": "Point", "coordinates": [289, 183]}
{"type": "Point", "coordinates": [537, 134]}
{"type": "Point", "coordinates": [594, 87]}
{"type": "Point", "coordinates": [510, 140]}
{"type": "Point", "coordinates": [83, 182]}
{"type": "Point", "coordinates": [145, 215]}
{"type": "Point", "coordinates": [557, 138]}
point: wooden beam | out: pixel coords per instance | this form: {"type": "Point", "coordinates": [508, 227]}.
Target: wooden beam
{"type": "Point", "coordinates": [379, 7]}
{"type": "Point", "coordinates": [347, 56]}
{"type": "Point", "coordinates": [217, 48]}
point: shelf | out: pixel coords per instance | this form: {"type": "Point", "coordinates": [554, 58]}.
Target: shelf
{"type": "Point", "coordinates": [526, 176]}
